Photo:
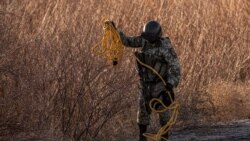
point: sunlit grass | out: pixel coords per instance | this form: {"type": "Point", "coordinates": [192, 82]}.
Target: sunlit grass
{"type": "Point", "coordinates": [47, 68]}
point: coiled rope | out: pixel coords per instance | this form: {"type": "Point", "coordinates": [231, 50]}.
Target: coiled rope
{"type": "Point", "coordinates": [111, 47]}
{"type": "Point", "coordinates": [112, 50]}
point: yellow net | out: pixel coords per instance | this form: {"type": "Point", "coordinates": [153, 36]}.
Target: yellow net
{"type": "Point", "coordinates": [111, 45]}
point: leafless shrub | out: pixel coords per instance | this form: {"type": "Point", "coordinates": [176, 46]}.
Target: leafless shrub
{"type": "Point", "coordinates": [243, 73]}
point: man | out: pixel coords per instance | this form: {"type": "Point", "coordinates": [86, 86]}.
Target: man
{"type": "Point", "coordinates": [158, 53]}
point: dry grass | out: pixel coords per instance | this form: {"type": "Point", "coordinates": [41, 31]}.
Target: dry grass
{"type": "Point", "coordinates": [231, 100]}
{"type": "Point", "coordinates": [51, 84]}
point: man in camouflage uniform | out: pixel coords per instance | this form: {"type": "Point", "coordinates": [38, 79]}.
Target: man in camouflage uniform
{"type": "Point", "coordinates": [158, 53]}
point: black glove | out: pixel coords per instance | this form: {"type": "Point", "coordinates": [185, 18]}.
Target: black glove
{"type": "Point", "coordinates": [108, 23]}
{"type": "Point", "coordinates": [166, 99]}
{"type": "Point", "coordinates": [169, 87]}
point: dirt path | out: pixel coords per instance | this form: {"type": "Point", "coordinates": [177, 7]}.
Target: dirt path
{"type": "Point", "coordinates": [235, 131]}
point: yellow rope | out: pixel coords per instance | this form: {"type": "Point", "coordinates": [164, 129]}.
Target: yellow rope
{"type": "Point", "coordinates": [111, 45]}
{"type": "Point", "coordinates": [112, 50]}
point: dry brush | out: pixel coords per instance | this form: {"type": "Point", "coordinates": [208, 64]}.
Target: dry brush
{"type": "Point", "coordinates": [52, 87]}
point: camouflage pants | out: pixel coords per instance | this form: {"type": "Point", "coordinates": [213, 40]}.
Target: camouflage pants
{"type": "Point", "coordinates": [147, 92]}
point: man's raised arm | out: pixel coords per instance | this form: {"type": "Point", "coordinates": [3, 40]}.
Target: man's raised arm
{"type": "Point", "coordinates": [132, 41]}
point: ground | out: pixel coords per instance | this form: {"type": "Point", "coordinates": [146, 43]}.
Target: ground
{"type": "Point", "coordinates": [234, 131]}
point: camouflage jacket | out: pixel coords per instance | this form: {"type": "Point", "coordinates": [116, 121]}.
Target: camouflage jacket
{"type": "Point", "coordinates": [162, 48]}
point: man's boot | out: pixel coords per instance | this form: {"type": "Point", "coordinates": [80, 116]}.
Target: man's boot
{"type": "Point", "coordinates": [143, 129]}
{"type": "Point", "coordinates": [164, 137]}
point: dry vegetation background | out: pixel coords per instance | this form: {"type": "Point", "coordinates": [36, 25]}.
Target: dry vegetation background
{"type": "Point", "coordinates": [53, 88]}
